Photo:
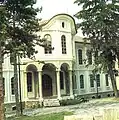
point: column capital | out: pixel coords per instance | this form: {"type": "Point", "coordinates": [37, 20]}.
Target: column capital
{"type": "Point", "coordinates": [58, 70]}
{"type": "Point", "coordinates": [25, 71]}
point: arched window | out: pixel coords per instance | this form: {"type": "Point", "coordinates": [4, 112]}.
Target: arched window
{"type": "Point", "coordinates": [91, 80]}
{"type": "Point", "coordinates": [63, 24]}
{"type": "Point", "coordinates": [81, 81]}
{"type": "Point", "coordinates": [63, 43]}
{"type": "Point", "coordinates": [29, 82]}
{"type": "Point", "coordinates": [106, 80]}
{"type": "Point", "coordinates": [12, 86]}
{"type": "Point", "coordinates": [80, 56]}
{"type": "Point", "coordinates": [98, 80]}
{"type": "Point", "coordinates": [48, 50]}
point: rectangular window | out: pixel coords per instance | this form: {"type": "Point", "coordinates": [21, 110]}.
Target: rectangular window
{"type": "Point", "coordinates": [29, 82]}
{"type": "Point", "coordinates": [61, 80]}
{"type": "Point", "coordinates": [63, 43]}
{"type": "Point", "coordinates": [81, 81]}
{"type": "Point", "coordinates": [98, 80]}
{"type": "Point", "coordinates": [12, 86]}
{"type": "Point", "coordinates": [107, 80]}
{"type": "Point", "coordinates": [80, 56]}
{"type": "Point", "coordinates": [48, 50]}
{"type": "Point", "coordinates": [91, 80]}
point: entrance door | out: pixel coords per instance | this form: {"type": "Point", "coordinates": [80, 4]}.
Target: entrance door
{"type": "Point", "coordinates": [46, 85]}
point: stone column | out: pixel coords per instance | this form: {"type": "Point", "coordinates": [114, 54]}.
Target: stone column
{"type": "Point", "coordinates": [25, 86]}
{"type": "Point", "coordinates": [58, 85]}
{"type": "Point", "coordinates": [40, 86]}
{"type": "Point", "coordinates": [71, 85]}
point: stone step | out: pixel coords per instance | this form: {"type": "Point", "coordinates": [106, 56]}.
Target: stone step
{"type": "Point", "coordinates": [51, 102]}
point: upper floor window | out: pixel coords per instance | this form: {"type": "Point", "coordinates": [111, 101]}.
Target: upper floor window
{"type": "Point", "coordinates": [81, 81]}
{"type": "Point", "coordinates": [12, 86]}
{"type": "Point", "coordinates": [91, 80]}
{"type": "Point", "coordinates": [98, 80]}
{"type": "Point", "coordinates": [63, 24]}
{"type": "Point", "coordinates": [48, 50]}
{"type": "Point", "coordinates": [80, 56]}
{"type": "Point", "coordinates": [29, 82]}
{"type": "Point", "coordinates": [106, 80]}
{"type": "Point", "coordinates": [89, 56]}
{"type": "Point", "coordinates": [63, 43]}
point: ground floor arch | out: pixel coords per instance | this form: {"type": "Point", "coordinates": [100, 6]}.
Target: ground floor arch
{"type": "Point", "coordinates": [50, 82]}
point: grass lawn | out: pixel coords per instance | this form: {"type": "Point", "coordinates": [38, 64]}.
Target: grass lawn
{"type": "Point", "coordinates": [53, 116]}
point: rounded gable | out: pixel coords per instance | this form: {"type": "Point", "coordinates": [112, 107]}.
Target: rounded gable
{"type": "Point", "coordinates": [61, 16]}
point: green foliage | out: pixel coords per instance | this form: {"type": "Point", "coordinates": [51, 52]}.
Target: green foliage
{"type": "Point", "coordinates": [53, 116]}
{"type": "Point", "coordinates": [100, 25]}
{"type": "Point", "coordinates": [76, 100]}
{"type": "Point", "coordinates": [22, 26]}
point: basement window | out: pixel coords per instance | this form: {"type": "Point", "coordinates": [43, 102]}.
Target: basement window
{"type": "Point", "coordinates": [13, 107]}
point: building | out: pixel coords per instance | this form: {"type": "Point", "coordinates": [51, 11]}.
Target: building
{"type": "Point", "coordinates": [61, 75]}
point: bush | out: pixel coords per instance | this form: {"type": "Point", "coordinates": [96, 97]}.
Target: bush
{"type": "Point", "coordinates": [76, 100]}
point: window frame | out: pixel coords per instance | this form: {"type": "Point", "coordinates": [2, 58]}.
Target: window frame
{"type": "Point", "coordinates": [81, 81]}
{"type": "Point", "coordinates": [98, 80]}
{"type": "Point", "coordinates": [49, 40]}
{"type": "Point", "coordinates": [63, 25]}
{"type": "Point", "coordinates": [80, 57]}
{"type": "Point", "coordinates": [106, 80]}
{"type": "Point", "coordinates": [63, 44]}
{"type": "Point", "coordinates": [12, 86]}
{"type": "Point", "coordinates": [30, 83]}
{"type": "Point", "coordinates": [91, 80]}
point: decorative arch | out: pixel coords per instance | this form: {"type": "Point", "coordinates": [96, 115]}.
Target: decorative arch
{"type": "Point", "coordinates": [32, 80]}
{"type": "Point", "coordinates": [31, 67]}
{"type": "Point", "coordinates": [48, 79]}
{"type": "Point", "coordinates": [65, 66]}
{"type": "Point", "coordinates": [49, 66]}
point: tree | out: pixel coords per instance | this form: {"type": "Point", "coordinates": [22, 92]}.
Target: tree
{"type": "Point", "coordinates": [22, 26]}
{"type": "Point", "coordinates": [100, 26]}
{"type": "Point", "coordinates": [2, 41]}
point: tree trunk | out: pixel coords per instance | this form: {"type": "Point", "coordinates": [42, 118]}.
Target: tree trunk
{"type": "Point", "coordinates": [2, 116]}
{"type": "Point", "coordinates": [113, 80]}
{"type": "Point", "coordinates": [16, 86]}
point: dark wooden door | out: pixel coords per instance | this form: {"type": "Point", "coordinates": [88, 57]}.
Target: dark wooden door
{"type": "Point", "coordinates": [46, 85]}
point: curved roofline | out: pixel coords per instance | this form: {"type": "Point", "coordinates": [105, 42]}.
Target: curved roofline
{"type": "Point", "coordinates": [58, 15]}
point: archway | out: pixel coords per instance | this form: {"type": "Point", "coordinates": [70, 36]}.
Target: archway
{"type": "Point", "coordinates": [49, 80]}
{"type": "Point", "coordinates": [64, 79]}
{"type": "Point", "coordinates": [46, 85]}
{"type": "Point", "coordinates": [32, 81]}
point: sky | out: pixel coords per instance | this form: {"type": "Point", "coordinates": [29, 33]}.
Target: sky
{"type": "Point", "coordinates": [53, 7]}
